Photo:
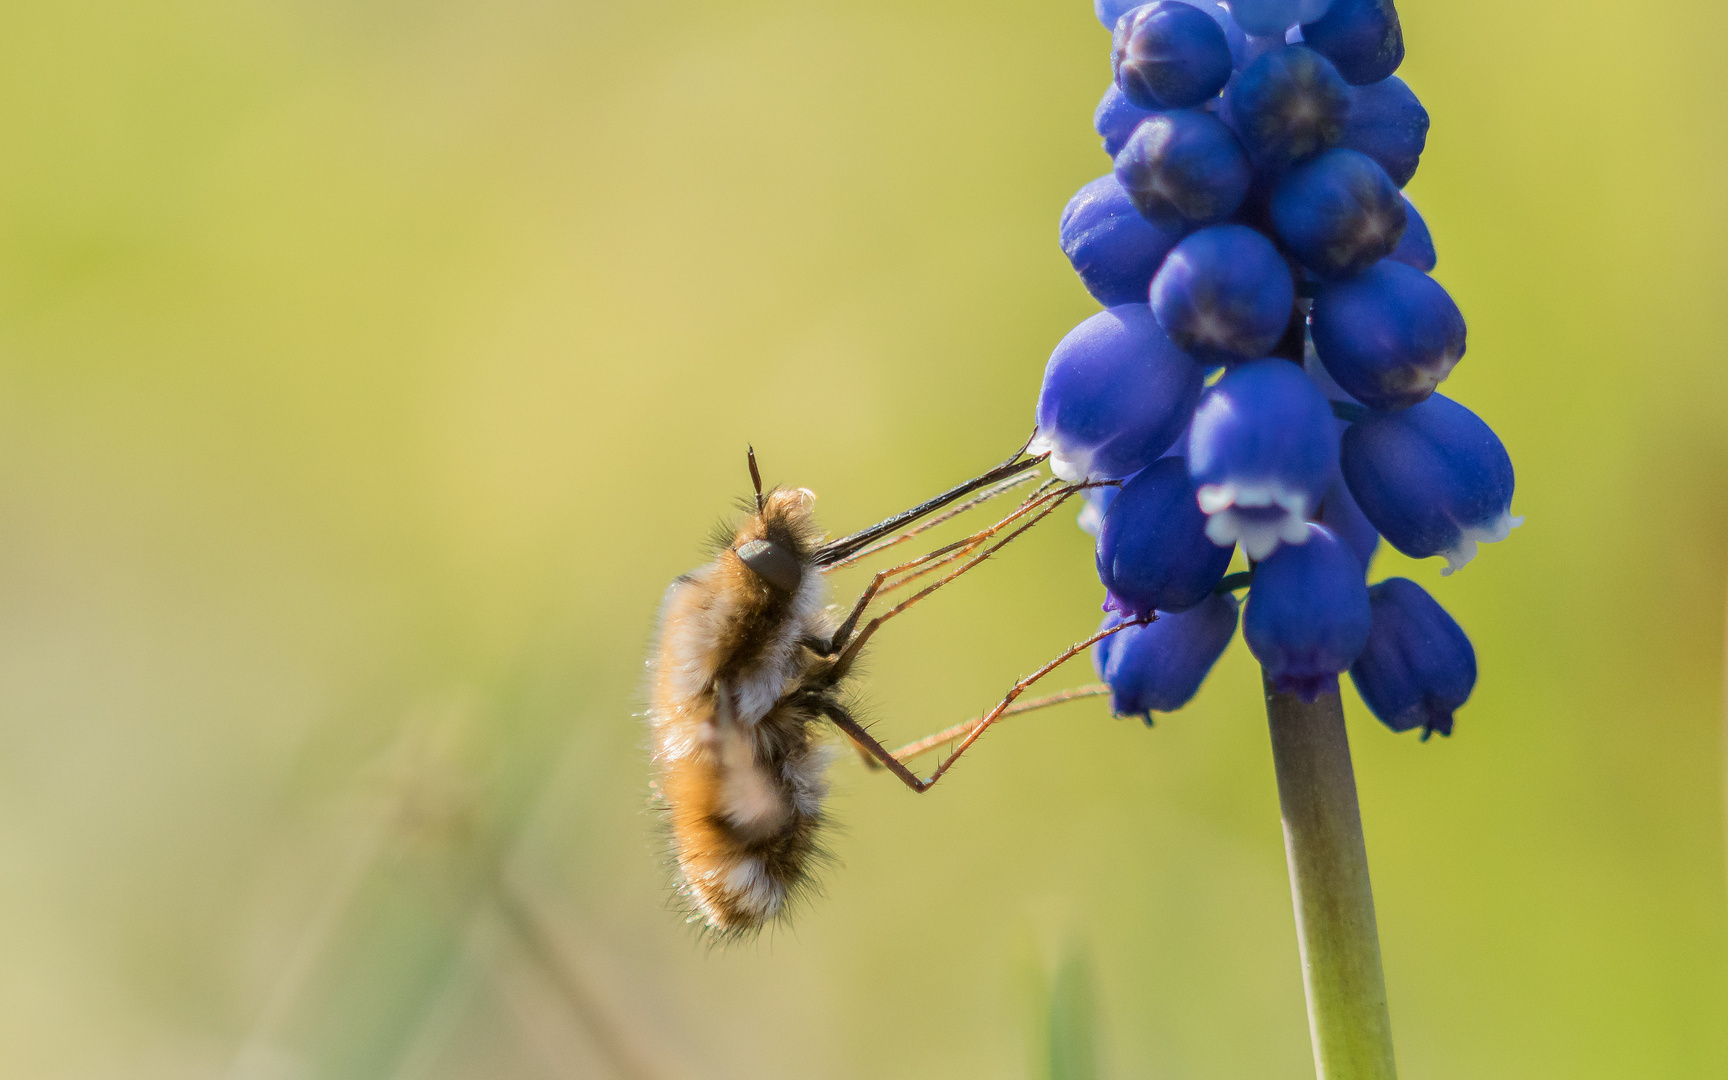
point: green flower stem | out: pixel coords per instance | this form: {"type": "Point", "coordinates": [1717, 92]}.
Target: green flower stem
{"type": "Point", "coordinates": [1346, 989]}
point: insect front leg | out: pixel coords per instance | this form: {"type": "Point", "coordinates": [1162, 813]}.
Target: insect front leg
{"type": "Point", "coordinates": [968, 733]}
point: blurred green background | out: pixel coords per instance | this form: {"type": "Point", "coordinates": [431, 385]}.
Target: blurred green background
{"type": "Point", "coordinates": [368, 368]}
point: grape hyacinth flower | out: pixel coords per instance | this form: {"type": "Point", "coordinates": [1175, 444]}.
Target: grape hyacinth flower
{"type": "Point", "coordinates": [1433, 478]}
{"type": "Point", "coordinates": [1418, 667]}
{"type": "Point", "coordinates": [1159, 667]}
{"type": "Point", "coordinates": [1307, 617]}
{"type": "Point", "coordinates": [1287, 106]}
{"type": "Point", "coordinates": [1262, 451]}
{"type": "Point", "coordinates": [1388, 124]}
{"type": "Point", "coordinates": [1116, 395]}
{"type": "Point", "coordinates": [1113, 248]}
{"type": "Point", "coordinates": [1339, 512]}
{"type": "Point", "coordinates": [1362, 38]}
{"type": "Point", "coordinates": [1266, 18]}
{"type": "Point", "coordinates": [1224, 295]}
{"type": "Point", "coordinates": [1184, 168]}
{"type": "Point", "coordinates": [1389, 336]}
{"type": "Point", "coordinates": [1169, 55]}
{"type": "Point", "coordinates": [1153, 554]}
{"type": "Point", "coordinates": [1417, 247]}
{"type": "Point", "coordinates": [1268, 233]}
{"type": "Point", "coordinates": [1116, 118]}
{"type": "Point", "coordinates": [1339, 213]}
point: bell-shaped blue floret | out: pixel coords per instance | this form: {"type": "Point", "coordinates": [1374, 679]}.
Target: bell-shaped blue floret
{"type": "Point", "coordinates": [1262, 450]}
{"type": "Point", "coordinates": [1159, 667]}
{"type": "Point", "coordinates": [1169, 55]}
{"type": "Point", "coordinates": [1433, 478]}
{"type": "Point", "coordinates": [1339, 213]}
{"type": "Point", "coordinates": [1224, 294]}
{"type": "Point", "coordinates": [1307, 616]}
{"type": "Point", "coordinates": [1389, 125]}
{"type": "Point", "coordinates": [1418, 667]}
{"type": "Point", "coordinates": [1267, 18]}
{"type": "Point", "coordinates": [1417, 247]}
{"type": "Point", "coordinates": [1362, 38]}
{"type": "Point", "coordinates": [1116, 395]}
{"type": "Point", "coordinates": [1113, 248]}
{"type": "Point", "coordinates": [1115, 119]}
{"type": "Point", "coordinates": [1153, 554]}
{"type": "Point", "coordinates": [1183, 169]}
{"type": "Point", "coordinates": [1287, 106]}
{"type": "Point", "coordinates": [1389, 336]}
{"type": "Point", "coordinates": [1339, 512]}
{"type": "Point", "coordinates": [1110, 13]}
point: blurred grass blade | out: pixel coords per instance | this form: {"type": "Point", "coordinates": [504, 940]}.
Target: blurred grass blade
{"type": "Point", "coordinates": [1070, 1022]}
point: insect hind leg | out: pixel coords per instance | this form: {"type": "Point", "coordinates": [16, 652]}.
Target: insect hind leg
{"type": "Point", "coordinates": [895, 762]}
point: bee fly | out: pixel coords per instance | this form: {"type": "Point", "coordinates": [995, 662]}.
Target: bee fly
{"type": "Point", "coordinates": [751, 663]}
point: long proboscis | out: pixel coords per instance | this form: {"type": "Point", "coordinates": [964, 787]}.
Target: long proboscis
{"type": "Point", "coordinates": [836, 550]}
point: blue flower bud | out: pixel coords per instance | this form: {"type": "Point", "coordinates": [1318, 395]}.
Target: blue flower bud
{"type": "Point", "coordinates": [1266, 18]}
{"type": "Point", "coordinates": [1262, 450]}
{"type": "Point", "coordinates": [1224, 294]}
{"type": "Point", "coordinates": [1110, 13]}
{"type": "Point", "coordinates": [1116, 118]}
{"type": "Point", "coordinates": [1433, 478]}
{"type": "Point", "coordinates": [1288, 105]}
{"type": "Point", "coordinates": [1362, 38]}
{"type": "Point", "coordinates": [1339, 213]}
{"type": "Point", "coordinates": [1116, 395]}
{"type": "Point", "coordinates": [1113, 248]}
{"type": "Point", "coordinates": [1418, 667]}
{"type": "Point", "coordinates": [1339, 512]}
{"type": "Point", "coordinates": [1169, 55]}
{"type": "Point", "coordinates": [1389, 336]}
{"type": "Point", "coordinates": [1159, 667]}
{"type": "Point", "coordinates": [1307, 617]}
{"type": "Point", "coordinates": [1389, 125]}
{"type": "Point", "coordinates": [1417, 247]}
{"type": "Point", "coordinates": [1184, 168]}
{"type": "Point", "coordinates": [1153, 554]}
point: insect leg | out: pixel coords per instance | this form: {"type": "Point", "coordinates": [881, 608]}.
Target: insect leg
{"type": "Point", "coordinates": [948, 735]}
{"type": "Point", "coordinates": [844, 633]}
{"type": "Point", "coordinates": [1043, 505]}
{"type": "Point", "coordinates": [972, 729]}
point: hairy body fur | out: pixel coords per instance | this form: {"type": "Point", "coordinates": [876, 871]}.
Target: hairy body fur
{"type": "Point", "coordinates": [740, 687]}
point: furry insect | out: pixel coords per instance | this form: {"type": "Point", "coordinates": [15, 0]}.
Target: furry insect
{"type": "Point", "coordinates": [750, 668]}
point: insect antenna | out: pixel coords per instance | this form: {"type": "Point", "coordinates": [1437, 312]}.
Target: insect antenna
{"type": "Point", "coordinates": [756, 478]}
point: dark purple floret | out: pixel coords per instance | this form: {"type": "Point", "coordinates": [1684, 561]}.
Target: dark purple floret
{"type": "Point", "coordinates": [1339, 512]}
{"type": "Point", "coordinates": [1339, 213]}
{"type": "Point", "coordinates": [1169, 55]}
{"type": "Point", "coordinates": [1152, 552]}
{"type": "Point", "coordinates": [1417, 247]}
{"type": "Point", "coordinates": [1111, 245]}
{"type": "Point", "coordinates": [1159, 667]}
{"type": "Point", "coordinates": [1362, 38]}
{"type": "Point", "coordinates": [1434, 479]}
{"type": "Point", "coordinates": [1116, 118]}
{"type": "Point", "coordinates": [1262, 450]}
{"type": "Point", "coordinates": [1288, 105]}
{"type": "Point", "coordinates": [1387, 123]}
{"type": "Point", "coordinates": [1184, 169]}
{"type": "Point", "coordinates": [1224, 294]}
{"type": "Point", "coordinates": [1116, 395]}
{"type": "Point", "coordinates": [1388, 336]}
{"type": "Point", "coordinates": [1418, 667]}
{"type": "Point", "coordinates": [1307, 616]}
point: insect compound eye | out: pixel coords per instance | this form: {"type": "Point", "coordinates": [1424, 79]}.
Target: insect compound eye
{"type": "Point", "coordinates": [772, 563]}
